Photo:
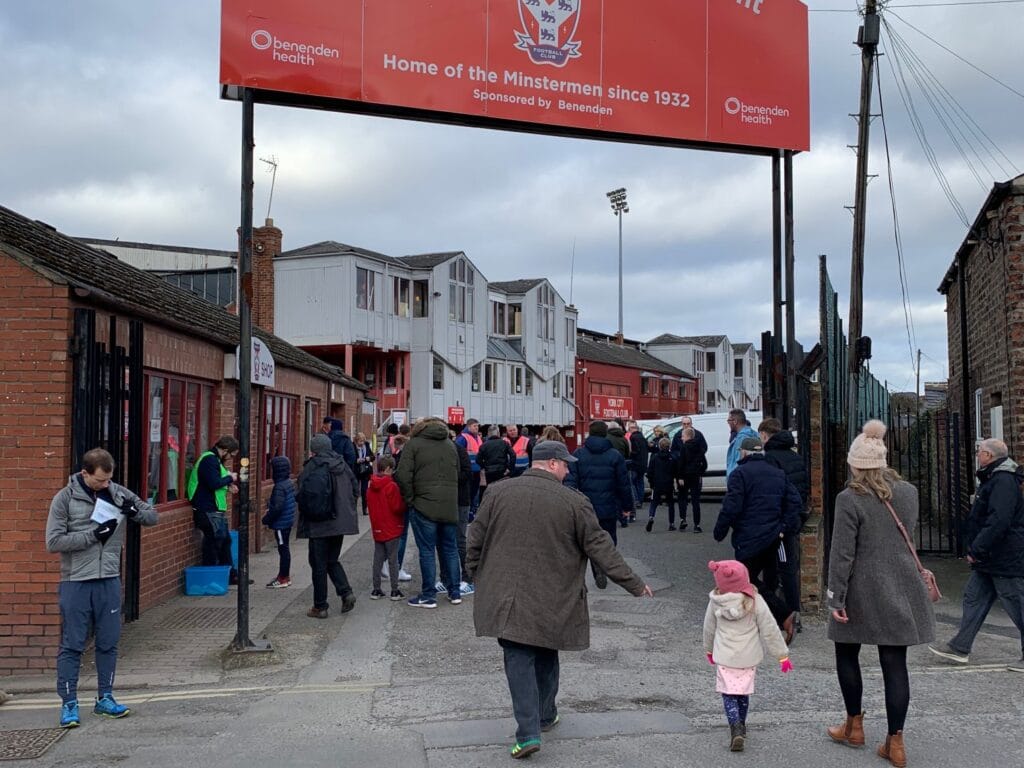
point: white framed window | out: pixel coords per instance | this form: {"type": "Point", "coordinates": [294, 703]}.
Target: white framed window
{"type": "Point", "coordinates": [460, 291]}
{"type": "Point", "coordinates": [570, 332]}
{"type": "Point", "coordinates": [490, 377]}
{"type": "Point", "coordinates": [438, 373]}
{"type": "Point", "coordinates": [529, 383]}
{"type": "Point", "coordinates": [554, 385]}
{"type": "Point", "coordinates": [400, 289]}
{"type": "Point", "coordinates": [515, 380]}
{"type": "Point", "coordinates": [366, 289]}
{"type": "Point", "coordinates": [475, 378]}
{"type": "Point", "coordinates": [570, 387]}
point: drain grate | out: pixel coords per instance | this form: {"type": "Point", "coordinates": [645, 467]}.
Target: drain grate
{"type": "Point", "coordinates": [637, 607]}
{"type": "Point", "coordinates": [28, 745]}
{"type": "Point", "coordinates": [200, 618]}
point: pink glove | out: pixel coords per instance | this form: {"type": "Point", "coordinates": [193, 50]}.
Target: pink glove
{"type": "Point", "coordinates": [711, 659]}
{"type": "Point", "coordinates": [785, 665]}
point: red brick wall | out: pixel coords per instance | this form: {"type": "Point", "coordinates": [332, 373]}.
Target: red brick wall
{"type": "Point", "coordinates": [34, 438]}
{"type": "Point", "coordinates": [995, 329]}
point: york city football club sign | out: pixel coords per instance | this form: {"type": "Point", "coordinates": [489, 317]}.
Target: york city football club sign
{"type": "Point", "coordinates": [548, 30]}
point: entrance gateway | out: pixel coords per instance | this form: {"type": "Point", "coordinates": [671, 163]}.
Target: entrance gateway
{"type": "Point", "coordinates": [723, 75]}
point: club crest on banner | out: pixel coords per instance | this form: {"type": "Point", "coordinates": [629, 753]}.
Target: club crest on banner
{"type": "Point", "coordinates": [548, 29]}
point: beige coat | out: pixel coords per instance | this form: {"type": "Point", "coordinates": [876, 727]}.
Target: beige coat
{"type": "Point", "coordinates": [736, 637]}
{"type": "Point", "coordinates": [527, 554]}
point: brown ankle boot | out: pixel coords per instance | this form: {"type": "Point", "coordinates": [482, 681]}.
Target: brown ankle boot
{"type": "Point", "coordinates": [893, 751]}
{"type": "Point", "coordinates": [851, 732]}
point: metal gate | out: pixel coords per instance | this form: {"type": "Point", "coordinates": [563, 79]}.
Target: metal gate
{"type": "Point", "coordinates": [924, 447]}
{"type": "Point", "coordinates": [107, 403]}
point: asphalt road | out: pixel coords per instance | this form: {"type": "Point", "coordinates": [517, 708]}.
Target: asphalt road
{"type": "Point", "coordinates": [388, 685]}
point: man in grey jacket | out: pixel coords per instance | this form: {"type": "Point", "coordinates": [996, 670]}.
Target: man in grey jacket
{"type": "Point", "coordinates": [527, 554]}
{"type": "Point", "coordinates": [86, 525]}
{"type": "Point", "coordinates": [995, 550]}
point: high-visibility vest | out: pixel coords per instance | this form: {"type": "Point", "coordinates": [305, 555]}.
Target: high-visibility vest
{"type": "Point", "coordinates": [520, 448]}
{"type": "Point", "coordinates": [220, 495]}
{"type": "Point", "coordinates": [473, 443]}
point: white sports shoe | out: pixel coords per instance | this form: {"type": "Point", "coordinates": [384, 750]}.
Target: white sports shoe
{"type": "Point", "coordinates": [404, 575]}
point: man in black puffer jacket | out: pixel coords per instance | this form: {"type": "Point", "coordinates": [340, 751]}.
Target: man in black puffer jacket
{"type": "Point", "coordinates": [778, 451]}
{"type": "Point", "coordinates": [995, 550]}
{"type": "Point", "coordinates": [599, 473]}
{"type": "Point", "coordinates": [760, 506]}
{"type": "Point", "coordinates": [495, 458]}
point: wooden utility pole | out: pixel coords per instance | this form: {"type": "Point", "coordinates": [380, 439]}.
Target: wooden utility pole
{"type": "Point", "coordinates": [867, 39]}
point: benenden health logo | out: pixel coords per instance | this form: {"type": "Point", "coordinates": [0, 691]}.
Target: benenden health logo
{"type": "Point", "coordinates": [755, 114]}
{"type": "Point", "coordinates": [292, 52]}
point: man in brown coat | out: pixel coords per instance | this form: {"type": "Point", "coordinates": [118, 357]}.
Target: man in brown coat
{"type": "Point", "coordinates": [527, 553]}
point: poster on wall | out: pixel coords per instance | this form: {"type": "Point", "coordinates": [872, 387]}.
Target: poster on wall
{"type": "Point", "coordinates": [608, 407]}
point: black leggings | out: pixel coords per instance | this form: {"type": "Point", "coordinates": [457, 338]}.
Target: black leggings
{"type": "Point", "coordinates": [893, 659]}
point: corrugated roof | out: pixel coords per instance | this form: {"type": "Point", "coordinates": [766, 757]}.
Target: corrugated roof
{"type": "Point", "coordinates": [516, 287]}
{"type": "Point", "coordinates": [501, 349]}
{"type": "Point", "coordinates": [334, 248]}
{"type": "Point", "coordinates": [428, 260]}
{"type": "Point", "coordinates": [114, 283]}
{"type": "Point", "coordinates": [624, 355]}
{"type": "Point", "coordinates": [667, 338]}
{"type": "Point", "coordinates": [158, 247]}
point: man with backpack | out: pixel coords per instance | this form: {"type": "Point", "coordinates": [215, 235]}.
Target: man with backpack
{"type": "Point", "coordinates": [327, 501]}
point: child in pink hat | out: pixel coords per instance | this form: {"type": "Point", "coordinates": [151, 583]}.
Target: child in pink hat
{"type": "Point", "coordinates": [737, 628]}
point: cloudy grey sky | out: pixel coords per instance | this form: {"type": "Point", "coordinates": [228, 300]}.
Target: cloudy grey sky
{"type": "Point", "coordinates": [113, 128]}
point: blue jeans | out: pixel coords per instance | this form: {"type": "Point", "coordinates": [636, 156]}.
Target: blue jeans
{"type": "Point", "coordinates": [532, 674]}
{"type": "Point", "coordinates": [429, 535]}
{"type": "Point", "coordinates": [402, 540]}
{"type": "Point", "coordinates": [979, 595]}
{"type": "Point", "coordinates": [96, 602]}
{"type": "Point", "coordinates": [637, 476]}
{"type": "Point", "coordinates": [663, 494]}
{"type": "Point", "coordinates": [460, 541]}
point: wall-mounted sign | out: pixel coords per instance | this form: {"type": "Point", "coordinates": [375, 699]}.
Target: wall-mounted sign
{"type": "Point", "coordinates": [719, 73]}
{"type": "Point", "coordinates": [607, 407]}
{"type": "Point", "coordinates": [399, 417]}
{"type": "Point", "coordinates": [262, 364]}
{"type": "Point", "coordinates": [456, 414]}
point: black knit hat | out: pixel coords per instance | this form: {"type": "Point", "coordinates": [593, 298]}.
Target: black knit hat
{"type": "Point", "coordinates": [598, 429]}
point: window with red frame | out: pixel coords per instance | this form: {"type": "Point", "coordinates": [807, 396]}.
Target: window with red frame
{"type": "Point", "coordinates": [280, 436]}
{"type": "Point", "coordinates": [178, 426]}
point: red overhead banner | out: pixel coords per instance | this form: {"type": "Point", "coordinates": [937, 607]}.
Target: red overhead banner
{"type": "Point", "coordinates": [702, 72]}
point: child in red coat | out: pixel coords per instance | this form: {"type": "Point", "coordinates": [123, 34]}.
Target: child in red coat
{"type": "Point", "coordinates": [387, 521]}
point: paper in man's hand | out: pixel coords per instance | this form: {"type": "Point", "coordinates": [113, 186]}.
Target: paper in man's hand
{"type": "Point", "coordinates": [105, 511]}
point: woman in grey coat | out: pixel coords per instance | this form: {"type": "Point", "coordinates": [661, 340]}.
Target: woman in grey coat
{"type": "Point", "coordinates": [875, 592]}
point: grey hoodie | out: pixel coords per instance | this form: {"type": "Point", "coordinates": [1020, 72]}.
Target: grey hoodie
{"type": "Point", "coordinates": [737, 637]}
{"type": "Point", "coordinates": [69, 530]}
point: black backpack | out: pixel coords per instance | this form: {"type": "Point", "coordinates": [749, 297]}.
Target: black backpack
{"type": "Point", "coordinates": [316, 494]}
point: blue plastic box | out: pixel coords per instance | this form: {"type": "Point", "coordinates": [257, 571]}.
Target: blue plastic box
{"type": "Point", "coordinates": [207, 580]}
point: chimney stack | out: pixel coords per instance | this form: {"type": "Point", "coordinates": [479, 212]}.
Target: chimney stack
{"type": "Point", "coordinates": [266, 245]}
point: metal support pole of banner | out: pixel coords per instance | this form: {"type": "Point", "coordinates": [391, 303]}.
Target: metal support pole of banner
{"type": "Point", "coordinates": [242, 642]}
{"type": "Point", "coordinates": [787, 197]}
{"type": "Point", "coordinates": [778, 407]}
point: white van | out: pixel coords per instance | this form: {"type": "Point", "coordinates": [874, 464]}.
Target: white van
{"type": "Point", "coordinates": [715, 429]}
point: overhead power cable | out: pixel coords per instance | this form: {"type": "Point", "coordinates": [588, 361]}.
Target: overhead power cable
{"type": "Point", "coordinates": [916, 123]}
{"type": "Point", "coordinates": [948, 50]}
{"type": "Point", "coordinates": [908, 315]}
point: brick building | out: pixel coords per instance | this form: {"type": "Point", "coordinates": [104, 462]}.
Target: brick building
{"type": "Point", "coordinates": [97, 352]}
{"type": "Point", "coordinates": [984, 290]}
{"type": "Point", "coordinates": [619, 380]}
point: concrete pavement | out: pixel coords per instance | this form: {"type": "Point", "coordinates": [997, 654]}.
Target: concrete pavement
{"type": "Point", "coordinates": [391, 685]}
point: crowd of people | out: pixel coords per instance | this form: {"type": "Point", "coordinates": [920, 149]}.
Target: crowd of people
{"type": "Point", "coordinates": [515, 519]}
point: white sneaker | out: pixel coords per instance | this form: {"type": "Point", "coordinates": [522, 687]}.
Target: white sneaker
{"type": "Point", "coordinates": [466, 589]}
{"type": "Point", "coordinates": [439, 587]}
{"type": "Point", "coordinates": [404, 575]}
